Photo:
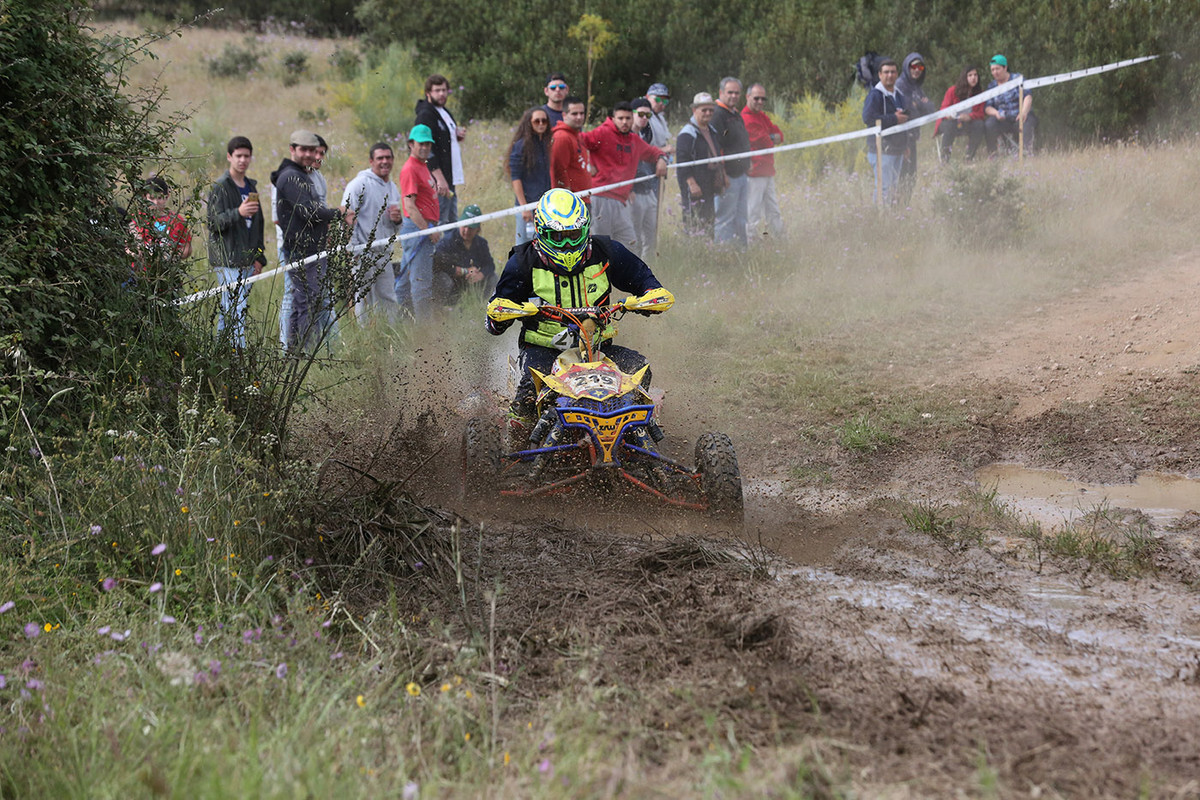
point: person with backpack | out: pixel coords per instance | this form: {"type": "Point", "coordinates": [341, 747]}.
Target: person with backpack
{"type": "Point", "coordinates": [885, 104]}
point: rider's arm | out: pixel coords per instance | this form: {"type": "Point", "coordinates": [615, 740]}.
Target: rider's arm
{"type": "Point", "coordinates": [516, 284]}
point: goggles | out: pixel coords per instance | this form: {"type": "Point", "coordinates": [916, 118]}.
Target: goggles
{"type": "Point", "coordinates": [573, 238]}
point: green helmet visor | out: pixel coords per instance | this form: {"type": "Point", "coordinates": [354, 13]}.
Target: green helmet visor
{"type": "Point", "coordinates": [574, 238]}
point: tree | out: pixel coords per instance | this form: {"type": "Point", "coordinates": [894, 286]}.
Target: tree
{"type": "Point", "coordinates": [595, 33]}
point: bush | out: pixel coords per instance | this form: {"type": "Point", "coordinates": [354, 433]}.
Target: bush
{"type": "Point", "coordinates": [810, 118]}
{"type": "Point", "coordinates": [383, 96]}
{"type": "Point", "coordinates": [295, 66]}
{"type": "Point", "coordinates": [344, 60]}
{"type": "Point", "coordinates": [236, 61]}
{"type": "Point", "coordinates": [982, 203]}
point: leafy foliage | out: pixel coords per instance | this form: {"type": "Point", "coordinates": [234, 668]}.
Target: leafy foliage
{"type": "Point", "coordinates": [235, 61]}
{"type": "Point", "coordinates": [982, 203]}
{"type": "Point", "coordinates": [384, 94]}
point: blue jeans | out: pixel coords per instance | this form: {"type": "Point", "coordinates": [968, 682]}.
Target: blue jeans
{"type": "Point", "coordinates": [233, 302]}
{"type": "Point", "coordinates": [891, 174]}
{"type": "Point", "coordinates": [731, 211]}
{"type": "Point", "coordinates": [285, 305]}
{"type": "Point", "coordinates": [414, 281]}
{"type": "Point", "coordinates": [448, 208]}
{"type": "Point", "coordinates": [310, 318]}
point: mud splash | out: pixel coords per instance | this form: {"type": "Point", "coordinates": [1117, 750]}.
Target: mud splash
{"type": "Point", "coordinates": [1053, 499]}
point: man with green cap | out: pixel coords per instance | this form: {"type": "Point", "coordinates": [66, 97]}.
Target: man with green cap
{"type": "Point", "coordinates": [1007, 112]}
{"type": "Point", "coordinates": [419, 203]}
{"type": "Point", "coordinates": [463, 260]}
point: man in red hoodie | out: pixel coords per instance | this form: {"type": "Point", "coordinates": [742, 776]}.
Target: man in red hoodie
{"type": "Point", "coordinates": [761, 200]}
{"type": "Point", "coordinates": [568, 158]}
{"type": "Point", "coordinates": [616, 152]}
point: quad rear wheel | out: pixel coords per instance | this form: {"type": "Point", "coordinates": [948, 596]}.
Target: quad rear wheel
{"type": "Point", "coordinates": [720, 478]}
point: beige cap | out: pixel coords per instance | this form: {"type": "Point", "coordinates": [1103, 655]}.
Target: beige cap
{"type": "Point", "coordinates": [702, 99]}
{"type": "Point", "coordinates": [304, 138]}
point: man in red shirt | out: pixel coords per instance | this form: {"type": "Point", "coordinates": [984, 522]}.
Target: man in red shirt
{"type": "Point", "coordinates": [616, 152]}
{"type": "Point", "coordinates": [569, 167]}
{"type": "Point", "coordinates": [761, 200]}
{"type": "Point", "coordinates": [419, 203]}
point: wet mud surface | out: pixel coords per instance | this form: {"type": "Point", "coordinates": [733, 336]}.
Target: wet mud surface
{"type": "Point", "coordinates": [908, 665]}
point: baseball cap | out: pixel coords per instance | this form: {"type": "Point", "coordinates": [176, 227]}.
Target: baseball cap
{"type": "Point", "coordinates": [303, 138]}
{"type": "Point", "coordinates": [658, 90]}
{"type": "Point", "coordinates": [470, 212]}
{"type": "Point", "coordinates": [702, 99]}
{"type": "Point", "coordinates": [999, 59]}
{"type": "Point", "coordinates": [420, 134]}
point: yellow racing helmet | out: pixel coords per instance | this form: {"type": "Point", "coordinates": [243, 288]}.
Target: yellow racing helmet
{"type": "Point", "coordinates": [563, 224]}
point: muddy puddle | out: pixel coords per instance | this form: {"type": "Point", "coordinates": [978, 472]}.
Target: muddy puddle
{"type": "Point", "coordinates": [1053, 499]}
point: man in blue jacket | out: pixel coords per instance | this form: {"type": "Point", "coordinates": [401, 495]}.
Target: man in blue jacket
{"type": "Point", "coordinates": [885, 104]}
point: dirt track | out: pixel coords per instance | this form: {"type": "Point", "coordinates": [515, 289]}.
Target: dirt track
{"type": "Point", "coordinates": [912, 668]}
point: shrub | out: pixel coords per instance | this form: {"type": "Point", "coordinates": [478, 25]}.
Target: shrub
{"type": "Point", "coordinates": [981, 203]}
{"type": "Point", "coordinates": [235, 61]}
{"type": "Point", "coordinates": [344, 60]}
{"type": "Point", "coordinates": [383, 96]}
{"type": "Point", "coordinates": [295, 66]}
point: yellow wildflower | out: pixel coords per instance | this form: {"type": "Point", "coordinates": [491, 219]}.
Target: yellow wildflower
{"type": "Point", "coordinates": [413, 689]}
{"type": "Point", "coordinates": [178, 571]}
{"type": "Point", "coordinates": [445, 687]}
{"type": "Point", "coordinates": [47, 627]}
{"type": "Point", "coordinates": [183, 509]}
{"type": "Point", "coordinates": [362, 702]}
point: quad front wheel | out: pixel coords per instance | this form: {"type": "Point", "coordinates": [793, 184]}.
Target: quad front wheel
{"type": "Point", "coordinates": [720, 479]}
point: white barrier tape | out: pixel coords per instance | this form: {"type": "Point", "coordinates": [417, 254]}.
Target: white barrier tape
{"type": "Point", "coordinates": [863, 133]}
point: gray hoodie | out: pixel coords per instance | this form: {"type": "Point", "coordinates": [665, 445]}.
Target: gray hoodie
{"type": "Point", "coordinates": [916, 102]}
{"type": "Point", "coordinates": [369, 196]}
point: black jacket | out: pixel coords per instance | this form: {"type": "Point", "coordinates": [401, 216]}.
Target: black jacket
{"type": "Point", "coordinates": [230, 242]}
{"type": "Point", "coordinates": [301, 215]}
{"type": "Point", "coordinates": [732, 138]}
{"type": "Point", "coordinates": [427, 114]}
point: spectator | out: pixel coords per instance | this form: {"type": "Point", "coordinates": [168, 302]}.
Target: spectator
{"type": "Point", "coordinates": [556, 92]}
{"type": "Point", "coordinates": [161, 232]}
{"type": "Point", "coordinates": [1008, 112]}
{"type": "Point", "coordinates": [733, 140]}
{"type": "Point", "coordinates": [616, 152]}
{"type": "Point", "coordinates": [569, 165]}
{"type": "Point", "coordinates": [305, 222]}
{"type": "Point", "coordinates": [762, 203]}
{"type": "Point", "coordinates": [289, 291]}
{"type": "Point", "coordinates": [917, 104]}
{"type": "Point", "coordinates": [445, 163]}
{"type": "Point", "coordinates": [375, 201]}
{"type": "Point", "coordinates": [969, 122]}
{"type": "Point", "coordinates": [884, 103]}
{"type": "Point", "coordinates": [699, 185]}
{"type": "Point", "coordinates": [463, 262]}
{"type": "Point", "coordinates": [643, 202]}
{"type": "Point", "coordinates": [235, 237]}
{"type": "Point", "coordinates": [414, 283]}
{"type": "Point", "coordinates": [658, 97]}
{"type": "Point", "coordinates": [528, 166]}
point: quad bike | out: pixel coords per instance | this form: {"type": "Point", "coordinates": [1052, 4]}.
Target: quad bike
{"type": "Point", "coordinates": [596, 428]}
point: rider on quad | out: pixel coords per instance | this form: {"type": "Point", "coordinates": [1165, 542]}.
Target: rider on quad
{"type": "Point", "coordinates": [565, 266]}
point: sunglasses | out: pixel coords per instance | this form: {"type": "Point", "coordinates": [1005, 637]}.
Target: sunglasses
{"type": "Point", "coordinates": [756, 99]}
{"type": "Point", "coordinates": [644, 114]}
{"type": "Point", "coordinates": [540, 121]}
{"type": "Point", "coordinates": [663, 100]}
{"type": "Point", "coordinates": [557, 86]}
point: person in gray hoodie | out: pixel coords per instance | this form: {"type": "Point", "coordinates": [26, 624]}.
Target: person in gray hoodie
{"type": "Point", "coordinates": [375, 201]}
{"type": "Point", "coordinates": [916, 104]}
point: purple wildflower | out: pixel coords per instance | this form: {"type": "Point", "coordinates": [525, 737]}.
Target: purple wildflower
{"type": "Point", "coordinates": [108, 584]}
{"type": "Point", "coordinates": [32, 630]}
{"type": "Point", "coordinates": [159, 549]}
{"type": "Point", "coordinates": [33, 683]}
{"type": "Point", "coordinates": [155, 587]}
{"type": "Point", "coordinates": [118, 459]}
{"type": "Point", "coordinates": [214, 667]}
{"type": "Point", "coordinates": [281, 671]}
{"type": "Point", "coordinates": [95, 529]}
{"type": "Point", "coordinates": [9, 605]}
{"type": "Point", "coordinates": [167, 620]}
{"type": "Point", "coordinates": [3, 681]}
{"type": "Point", "coordinates": [104, 631]}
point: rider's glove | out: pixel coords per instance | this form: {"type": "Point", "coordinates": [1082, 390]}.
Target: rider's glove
{"type": "Point", "coordinates": [501, 309]}
{"type": "Point", "coordinates": [654, 301]}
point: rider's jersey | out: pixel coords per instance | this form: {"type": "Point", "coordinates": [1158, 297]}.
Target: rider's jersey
{"type": "Point", "coordinates": [609, 265]}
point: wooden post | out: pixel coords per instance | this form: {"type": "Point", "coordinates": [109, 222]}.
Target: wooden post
{"type": "Point", "coordinates": [1020, 125]}
{"type": "Point", "coordinates": [879, 162]}
{"type": "Point", "coordinates": [662, 185]}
